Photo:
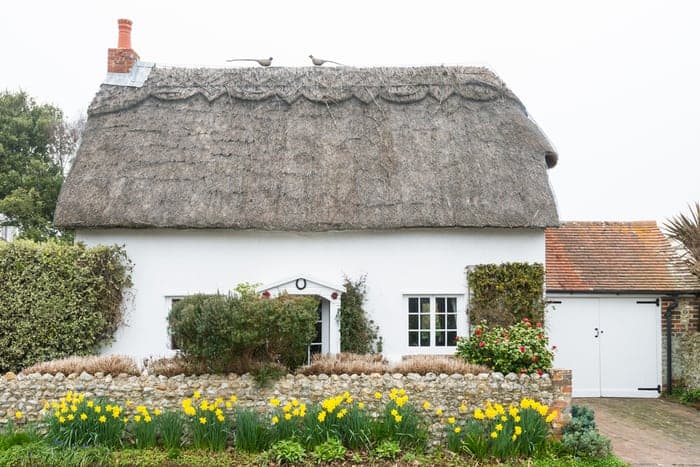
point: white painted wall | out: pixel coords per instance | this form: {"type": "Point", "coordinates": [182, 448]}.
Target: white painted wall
{"type": "Point", "coordinates": [422, 261]}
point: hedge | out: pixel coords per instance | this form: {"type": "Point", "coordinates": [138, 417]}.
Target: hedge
{"type": "Point", "coordinates": [58, 300]}
{"type": "Point", "coordinates": [505, 294]}
{"type": "Point", "coordinates": [230, 332]}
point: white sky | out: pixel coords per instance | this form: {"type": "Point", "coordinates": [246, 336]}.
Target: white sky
{"type": "Point", "coordinates": [614, 84]}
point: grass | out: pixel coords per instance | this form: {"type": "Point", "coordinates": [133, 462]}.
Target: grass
{"type": "Point", "coordinates": [110, 365]}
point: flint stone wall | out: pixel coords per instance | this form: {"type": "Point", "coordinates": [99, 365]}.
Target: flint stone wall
{"type": "Point", "coordinates": [28, 393]}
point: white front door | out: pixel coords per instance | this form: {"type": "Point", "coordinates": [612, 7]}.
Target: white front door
{"type": "Point", "coordinates": [612, 344]}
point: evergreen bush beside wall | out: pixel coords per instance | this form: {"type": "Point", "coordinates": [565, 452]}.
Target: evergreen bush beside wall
{"type": "Point", "coordinates": [358, 334]}
{"type": "Point", "coordinates": [505, 294]}
{"type": "Point", "coordinates": [239, 333]}
{"type": "Point", "coordinates": [58, 300]}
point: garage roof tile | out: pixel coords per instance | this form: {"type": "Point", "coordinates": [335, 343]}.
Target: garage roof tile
{"type": "Point", "coordinates": [614, 256]}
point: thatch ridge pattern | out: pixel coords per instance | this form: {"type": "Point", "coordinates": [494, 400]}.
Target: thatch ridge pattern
{"type": "Point", "coordinates": [322, 85]}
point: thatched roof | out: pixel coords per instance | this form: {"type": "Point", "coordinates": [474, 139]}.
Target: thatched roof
{"type": "Point", "coordinates": [310, 149]}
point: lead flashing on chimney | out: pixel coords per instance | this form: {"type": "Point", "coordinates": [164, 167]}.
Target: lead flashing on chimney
{"type": "Point", "coordinates": [135, 78]}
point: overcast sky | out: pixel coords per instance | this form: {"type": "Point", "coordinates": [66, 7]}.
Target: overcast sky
{"type": "Point", "coordinates": [615, 85]}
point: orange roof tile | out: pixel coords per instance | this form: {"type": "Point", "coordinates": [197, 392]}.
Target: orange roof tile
{"type": "Point", "coordinates": [614, 256]}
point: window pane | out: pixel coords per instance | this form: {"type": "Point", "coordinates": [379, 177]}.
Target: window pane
{"type": "Point", "coordinates": [413, 305]}
{"type": "Point", "coordinates": [413, 339]}
{"type": "Point", "coordinates": [412, 321]}
{"type": "Point", "coordinates": [452, 305]}
{"type": "Point", "coordinates": [452, 338]}
{"type": "Point", "coordinates": [424, 305]}
{"type": "Point", "coordinates": [425, 339]}
{"type": "Point", "coordinates": [315, 348]}
{"type": "Point", "coordinates": [440, 339]}
{"type": "Point", "coordinates": [439, 321]}
{"type": "Point", "coordinates": [425, 321]}
{"type": "Point", "coordinates": [440, 305]}
{"type": "Point", "coordinates": [451, 321]}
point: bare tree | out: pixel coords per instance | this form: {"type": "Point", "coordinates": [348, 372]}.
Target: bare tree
{"type": "Point", "coordinates": [685, 229]}
{"type": "Point", "coordinates": [66, 139]}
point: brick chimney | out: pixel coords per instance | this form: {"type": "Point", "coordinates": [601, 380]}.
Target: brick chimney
{"type": "Point", "coordinates": [122, 59]}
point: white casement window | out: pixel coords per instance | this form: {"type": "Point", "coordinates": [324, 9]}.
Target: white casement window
{"type": "Point", "coordinates": [432, 321]}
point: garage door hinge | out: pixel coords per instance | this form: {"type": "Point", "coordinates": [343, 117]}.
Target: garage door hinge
{"type": "Point", "coordinates": [649, 302]}
{"type": "Point", "coordinates": [657, 389]}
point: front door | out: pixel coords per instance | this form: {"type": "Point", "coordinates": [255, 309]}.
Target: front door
{"type": "Point", "coordinates": [320, 342]}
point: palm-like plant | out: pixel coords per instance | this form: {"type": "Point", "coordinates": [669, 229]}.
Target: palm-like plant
{"type": "Point", "coordinates": [685, 229]}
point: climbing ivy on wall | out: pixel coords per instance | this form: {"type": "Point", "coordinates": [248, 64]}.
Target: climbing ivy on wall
{"type": "Point", "coordinates": [504, 294]}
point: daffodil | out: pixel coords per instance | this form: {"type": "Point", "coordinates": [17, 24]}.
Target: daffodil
{"type": "Point", "coordinates": [83, 416]}
{"type": "Point", "coordinates": [426, 405]}
{"type": "Point", "coordinates": [287, 416]}
{"type": "Point", "coordinates": [275, 420]}
{"type": "Point", "coordinates": [462, 408]}
{"type": "Point", "coordinates": [102, 419]}
{"type": "Point", "coordinates": [377, 395]}
{"type": "Point", "coordinates": [197, 395]}
{"type": "Point", "coordinates": [478, 414]}
{"type": "Point", "coordinates": [494, 435]}
{"type": "Point", "coordinates": [451, 420]}
{"type": "Point", "coordinates": [457, 429]}
{"type": "Point", "coordinates": [274, 402]}
{"type": "Point", "coordinates": [18, 414]}
{"type": "Point", "coordinates": [203, 420]}
{"type": "Point", "coordinates": [322, 416]}
{"type": "Point", "coordinates": [518, 430]}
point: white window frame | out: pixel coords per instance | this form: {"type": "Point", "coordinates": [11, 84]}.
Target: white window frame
{"type": "Point", "coordinates": [459, 308]}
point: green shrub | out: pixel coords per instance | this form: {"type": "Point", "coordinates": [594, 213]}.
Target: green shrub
{"type": "Point", "coordinates": [358, 334]}
{"type": "Point", "coordinates": [521, 347]}
{"type": "Point", "coordinates": [288, 451]}
{"type": "Point", "coordinates": [58, 300]}
{"type": "Point", "coordinates": [504, 294]}
{"type": "Point", "coordinates": [581, 438]}
{"type": "Point", "coordinates": [329, 451]}
{"type": "Point", "coordinates": [387, 449]}
{"type": "Point", "coordinates": [223, 331]}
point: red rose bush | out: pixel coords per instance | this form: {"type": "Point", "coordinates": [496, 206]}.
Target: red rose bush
{"type": "Point", "coordinates": [520, 348]}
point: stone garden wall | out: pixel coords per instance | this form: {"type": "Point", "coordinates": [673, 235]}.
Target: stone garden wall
{"type": "Point", "coordinates": [28, 393]}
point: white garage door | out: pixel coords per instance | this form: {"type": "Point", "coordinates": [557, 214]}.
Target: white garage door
{"type": "Point", "coordinates": [612, 344]}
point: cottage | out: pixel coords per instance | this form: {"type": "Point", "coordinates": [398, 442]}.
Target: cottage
{"type": "Point", "coordinates": [296, 177]}
{"type": "Point", "coordinates": [608, 285]}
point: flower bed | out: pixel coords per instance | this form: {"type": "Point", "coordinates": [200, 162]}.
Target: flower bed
{"type": "Point", "coordinates": [383, 423]}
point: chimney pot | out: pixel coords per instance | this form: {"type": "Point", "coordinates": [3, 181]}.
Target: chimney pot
{"type": "Point", "coordinates": [122, 59]}
{"type": "Point", "coordinates": [124, 33]}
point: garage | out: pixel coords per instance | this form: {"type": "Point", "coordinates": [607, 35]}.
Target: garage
{"type": "Point", "coordinates": [605, 286]}
{"type": "Point", "coordinates": [611, 344]}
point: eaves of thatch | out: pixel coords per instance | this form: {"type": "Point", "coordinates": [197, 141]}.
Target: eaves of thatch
{"type": "Point", "coordinates": [310, 149]}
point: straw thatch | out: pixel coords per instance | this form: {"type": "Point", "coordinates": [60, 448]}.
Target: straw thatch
{"type": "Point", "coordinates": [310, 149]}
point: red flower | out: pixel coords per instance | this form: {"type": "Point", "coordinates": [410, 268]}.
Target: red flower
{"type": "Point", "coordinates": [522, 348]}
{"type": "Point", "coordinates": [481, 344]}
{"type": "Point", "coordinates": [539, 336]}
{"type": "Point", "coordinates": [266, 294]}
{"type": "Point", "coordinates": [525, 320]}
{"type": "Point", "coordinates": [478, 331]}
{"type": "Point", "coordinates": [535, 358]}
{"type": "Point", "coordinates": [554, 347]}
{"type": "Point", "coordinates": [540, 372]}
{"type": "Point", "coordinates": [539, 325]}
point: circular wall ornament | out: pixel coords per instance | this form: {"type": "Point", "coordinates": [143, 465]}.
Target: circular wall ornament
{"type": "Point", "coordinates": [301, 283]}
